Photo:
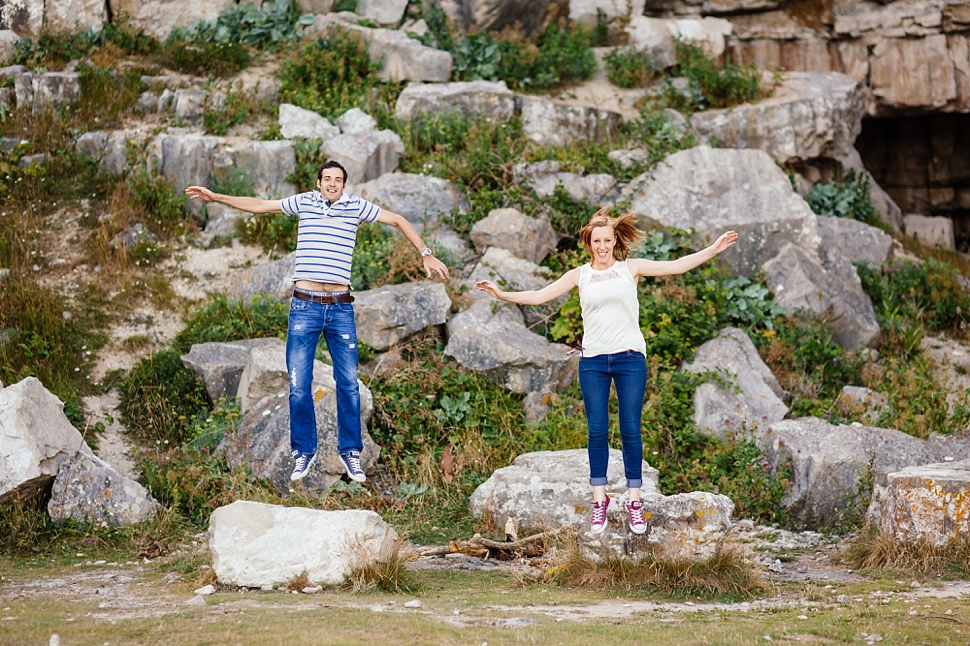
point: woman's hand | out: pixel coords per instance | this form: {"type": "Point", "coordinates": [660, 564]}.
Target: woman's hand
{"type": "Point", "coordinates": [489, 287]}
{"type": "Point", "coordinates": [200, 192]}
{"type": "Point", "coordinates": [724, 242]}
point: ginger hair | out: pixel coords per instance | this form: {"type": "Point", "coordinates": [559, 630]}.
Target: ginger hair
{"type": "Point", "coordinates": [628, 235]}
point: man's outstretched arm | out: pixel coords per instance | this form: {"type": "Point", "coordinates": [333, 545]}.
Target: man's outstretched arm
{"type": "Point", "coordinates": [248, 204]}
{"type": "Point", "coordinates": [431, 264]}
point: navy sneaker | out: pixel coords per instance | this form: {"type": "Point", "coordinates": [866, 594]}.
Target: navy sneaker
{"type": "Point", "coordinates": [302, 464]}
{"type": "Point", "coordinates": [352, 464]}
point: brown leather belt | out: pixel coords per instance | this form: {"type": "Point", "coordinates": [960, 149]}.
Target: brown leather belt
{"type": "Point", "coordinates": [325, 299]}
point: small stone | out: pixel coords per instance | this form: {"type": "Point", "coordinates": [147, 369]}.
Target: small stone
{"type": "Point", "coordinates": [842, 598]}
{"type": "Point", "coordinates": [414, 603]}
{"type": "Point", "coordinates": [55, 640]}
{"type": "Point", "coordinates": [267, 588]}
{"type": "Point", "coordinates": [206, 590]}
{"type": "Point", "coordinates": [802, 616]}
{"type": "Point", "coordinates": [312, 589]}
{"type": "Point", "coordinates": [948, 612]}
{"type": "Point", "coordinates": [873, 638]}
{"type": "Point", "coordinates": [456, 611]}
{"type": "Point", "coordinates": [197, 600]}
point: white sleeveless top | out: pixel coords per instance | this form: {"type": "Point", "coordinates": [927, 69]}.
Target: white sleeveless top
{"type": "Point", "coordinates": [611, 313]}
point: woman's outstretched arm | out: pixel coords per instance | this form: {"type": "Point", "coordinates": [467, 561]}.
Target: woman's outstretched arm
{"type": "Point", "coordinates": [643, 267]}
{"type": "Point", "coordinates": [568, 281]}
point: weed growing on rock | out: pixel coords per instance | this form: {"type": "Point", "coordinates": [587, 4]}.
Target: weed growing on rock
{"type": "Point", "coordinates": [846, 199]}
{"type": "Point", "coordinates": [873, 552]}
{"type": "Point", "coordinates": [710, 86]}
{"type": "Point", "coordinates": [628, 68]}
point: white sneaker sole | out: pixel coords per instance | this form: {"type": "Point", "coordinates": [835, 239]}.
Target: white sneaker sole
{"type": "Point", "coordinates": [642, 530]}
{"type": "Point", "coordinates": [361, 478]}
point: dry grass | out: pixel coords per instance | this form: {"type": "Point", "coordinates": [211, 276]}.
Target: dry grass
{"type": "Point", "coordinates": [874, 550]}
{"type": "Point", "coordinates": [387, 576]}
{"type": "Point", "coordinates": [298, 582]}
{"type": "Point", "coordinates": [725, 575]}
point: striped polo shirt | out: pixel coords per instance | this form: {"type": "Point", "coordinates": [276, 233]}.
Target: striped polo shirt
{"type": "Point", "coordinates": [327, 233]}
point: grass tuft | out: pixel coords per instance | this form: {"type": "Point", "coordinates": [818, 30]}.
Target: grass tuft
{"type": "Point", "coordinates": [873, 550]}
{"type": "Point", "coordinates": [386, 576]}
{"type": "Point", "coordinates": [726, 575]}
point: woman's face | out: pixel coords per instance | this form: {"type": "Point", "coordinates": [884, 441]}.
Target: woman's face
{"type": "Point", "coordinates": [601, 244]}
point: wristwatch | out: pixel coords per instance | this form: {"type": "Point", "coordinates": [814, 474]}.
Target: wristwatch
{"type": "Point", "coordinates": [427, 252]}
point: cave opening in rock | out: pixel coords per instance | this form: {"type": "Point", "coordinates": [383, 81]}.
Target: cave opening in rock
{"type": "Point", "coordinates": [923, 162]}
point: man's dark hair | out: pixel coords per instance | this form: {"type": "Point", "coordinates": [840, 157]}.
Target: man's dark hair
{"type": "Point", "coordinates": [331, 164]}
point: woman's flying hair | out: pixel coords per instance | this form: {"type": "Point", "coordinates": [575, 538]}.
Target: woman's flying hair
{"type": "Point", "coordinates": [624, 228]}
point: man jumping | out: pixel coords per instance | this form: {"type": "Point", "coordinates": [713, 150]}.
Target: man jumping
{"type": "Point", "coordinates": [322, 303]}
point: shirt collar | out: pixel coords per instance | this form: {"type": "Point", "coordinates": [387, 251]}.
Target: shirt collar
{"type": "Point", "coordinates": [343, 198]}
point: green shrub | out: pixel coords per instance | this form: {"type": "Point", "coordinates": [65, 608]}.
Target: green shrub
{"type": "Point", "coordinates": [330, 75]}
{"type": "Point", "coordinates": [846, 199]}
{"type": "Point", "coordinates": [108, 94]}
{"type": "Point", "coordinates": [158, 202]}
{"type": "Point", "coordinates": [42, 336]}
{"type": "Point", "coordinates": [444, 132]}
{"type": "Point", "coordinates": [628, 68]}
{"type": "Point", "coordinates": [53, 51]}
{"type": "Point", "coordinates": [221, 319]}
{"type": "Point", "coordinates": [160, 397]}
{"type": "Point", "coordinates": [709, 85]}
{"type": "Point", "coordinates": [930, 293]}
{"type": "Point", "coordinates": [275, 232]}
{"type": "Point", "coordinates": [237, 108]}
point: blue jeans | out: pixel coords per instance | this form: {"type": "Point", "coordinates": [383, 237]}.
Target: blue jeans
{"type": "Point", "coordinates": [336, 323]}
{"type": "Point", "coordinates": [628, 370]}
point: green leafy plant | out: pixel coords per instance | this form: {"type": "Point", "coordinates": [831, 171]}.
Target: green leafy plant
{"type": "Point", "coordinates": [243, 23]}
{"type": "Point", "coordinates": [204, 58]}
{"type": "Point", "coordinates": [329, 75]}
{"type": "Point", "coordinates": [708, 85]}
{"type": "Point", "coordinates": [161, 205]}
{"type": "Point", "coordinates": [846, 199]}
{"type": "Point", "coordinates": [929, 293]}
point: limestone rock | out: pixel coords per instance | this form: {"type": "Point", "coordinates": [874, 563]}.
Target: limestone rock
{"type": "Point", "coordinates": [846, 242]}
{"type": "Point", "coordinates": [8, 42]}
{"type": "Point", "coordinates": [895, 19]}
{"type": "Point", "coordinates": [550, 489]}
{"type": "Point", "coordinates": [888, 210]}
{"type": "Point", "coordinates": [389, 314]}
{"type": "Point", "coordinates": [714, 190]}
{"type": "Point", "coordinates": [188, 104]}
{"type": "Point", "coordinates": [549, 122]}
{"type": "Point", "coordinates": [109, 149]}
{"type": "Point", "coordinates": [525, 237]}
{"type": "Point", "coordinates": [830, 463]}
{"type": "Point", "coordinates": [255, 545]}
{"type": "Point", "coordinates": [356, 121]}
{"type": "Point", "coordinates": [933, 231]}
{"type": "Point", "coordinates": [274, 279]}
{"type": "Point", "coordinates": [750, 402]}
{"type": "Point", "coordinates": [422, 199]}
{"type": "Point", "coordinates": [32, 161]}
{"type": "Point", "coordinates": [220, 365]}
{"type": "Point", "coordinates": [684, 527]}
{"type": "Point", "coordinates": [88, 490]}
{"type": "Point", "coordinates": [263, 436]}
{"type": "Point", "coordinates": [404, 58]}
{"type": "Point", "coordinates": [598, 189]}
{"type": "Point", "coordinates": [498, 264]}
{"type": "Point", "coordinates": [314, 6]}
{"type": "Point", "coordinates": [222, 220]}
{"type": "Point", "coordinates": [812, 114]}
{"type": "Point", "coordinates": [912, 72]}
{"type": "Point", "coordinates": [298, 122]}
{"type": "Point", "coordinates": [158, 17]}
{"type": "Point", "coordinates": [132, 237]}
{"type": "Point", "coordinates": [498, 344]}
{"type": "Point", "coordinates": [656, 36]}
{"type": "Point", "coordinates": [731, 7]}
{"type": "Point", "coordinates": [47, 90]}
{"type": "Point", "coordinates": [186, 160]}
{"type": "Point", "coordinates": [37, 440]}
{"type": "Point", "coordinates": [586, 11]}
{"type": "Point", "coordinates": [24, 17]}
{"type": "Point", "coordinates": [267, 166]}
{"type": "Point", "coordinates": [383, 12]}
{"type": "Point", "coordinates": [366, 155]}
{"type": "Point", "coordinates": [490, 100]}
{"type": "Point", "coordinates": [928, 504]}
{"type": "Point", "coordinates": [799, 282]}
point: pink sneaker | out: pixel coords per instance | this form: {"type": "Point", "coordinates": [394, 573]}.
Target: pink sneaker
{"type": "Point", "coordinates": [637, 524]}
{"type": "Point", "coordinates": [598, 523]}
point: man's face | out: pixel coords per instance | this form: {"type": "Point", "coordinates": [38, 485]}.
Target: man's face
{"type": "Point", "coordinates": [331, 184]}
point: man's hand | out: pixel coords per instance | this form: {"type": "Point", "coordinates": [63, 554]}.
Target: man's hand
{"type": "Point", "coordinates": [200, 192]}
{"type": "Point", "coordinates": [433, 264]}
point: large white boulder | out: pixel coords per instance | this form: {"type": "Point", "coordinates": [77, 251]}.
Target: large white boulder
{"type": "Point", "coordinates": [299, 122]}
{"type": "Point", "coordinates": [713, 190]}
{"type": "Point", "coordinates": [831, 464]}
{"type": "Point", "coordinates": [257, 545]}
{"type": "Point", "coordinates": [550, 489]}
{"type": "Point", "coordinates": [493, 339]}
{"type": "Point", "coordinates": [47, 90]}
{"type": "Point", "coordinates": [220, 365]}
{"type": "Point", "coordinates": [811, 114]}
{"type": "Point", "coordinates": [928, 504]}
{"type": "Point", "coordinates": [158, 17]}
{"type": "Point", "coordinates": [549, 122]}
{"type": "Point", "coordinates": [800, 282]}
{"type": "Point", "coordinates": [525, 237]}
{"type": "Point", "coordinates": [683, 527]}
{"type": "Point", "coordinates": [383, 12]}
{"type": "Point", "coordinates": [422, 199]}
{"type": "Point", "coordinates": [389, 314]}
{"type": "Point", "coordinates": [491, 100]}
{"type": "Point", "coordinates": [365, 155]}
{"type": "Point", "coordinates": [657, 36]}
{"type": "Point", "coordinates": [36, 440]}
{"type": "Point", "coordinates": [846, 242]}
{"type": "Point", "coordinates": [745, 396]}
{"type": "Point", "coordinates": [274, 279]}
